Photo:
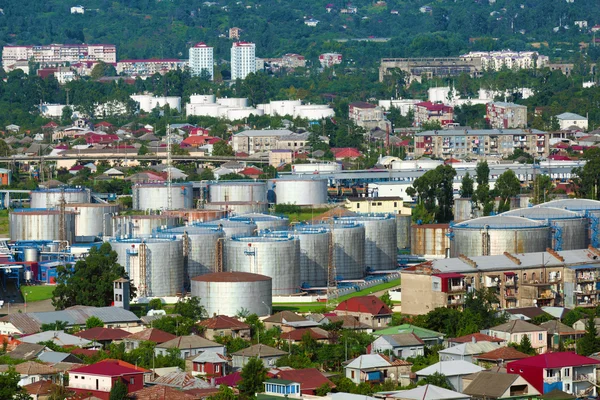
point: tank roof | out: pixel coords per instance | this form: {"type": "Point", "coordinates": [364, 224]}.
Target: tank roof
{"type": "Point", "coordinates": [45, 211]}
{"type": "Point", "coordinates": [573, 204]}
{"type": "Point", "coordinates": [431, 226]}
{"type": "Point", "coordinates": [139, 240]}
{"type": "Point", "coordinates": [192, 230]}
{"type": "Point", "coordinates": [146, 216]}
{"type": "Point", "coordinates": [257, 217]}
{"type": "Point", "coordinates": [61, 189]}
{"type": "Point", "coordinates": [500, 222]}
{"type": "Point", "coordinates": [262, 239]}
{"type": "Point", "coordinates": [68, 205]}
{"type": "Point", "coordinates": [537, 213]}
{"type": "Point", "coordinates": [162, 184]}
{"type": "Point", "coordinates": [239, 183]}
{"type": "Point", "coordinates": [231, 277]}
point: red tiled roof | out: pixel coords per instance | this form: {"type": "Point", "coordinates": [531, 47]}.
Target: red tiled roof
{"type": "Point", "coordinates": [251, 171]}
{"type": "Point", "coordinates": [199, 131]}
{"type": "Point", "coordinates": [308, 378]}
{"type": "Point", "coordinates": [364, 304]}
{"type": "Point", "coordinates": [214, 140]}
{"type": "Point", "coordinates": [554, 360]}
{"type": "Point", "coordinates": [223, 322]}
{"type": "Point", "coordinates": [101, 333]}
{"type": "Point", "coordinates": [84, 352]}
{"type": "Point", "coordinates": [229, 380]}
{"type": "Point", "coordinates": [152, 335]}
{"type": "Point", "coordinates": [479, 337]}
{"type": "Point", "coordinates": [160, 392]}
{"type": "Point", "coordinates": [345, 152]}
{"type": "Point", "coordinates": [92, 138]}
{"type": "Point", "coordinates": [40, 388]}
{"type": "Point", "coordinates": [196, 140]}
{"type": "Point", "coordinates": [109, 367]}
{"type": "Point", "coordinates": [50, 124]}
{"type": "Point", "coordinates": [297, 334]}
{"type": "Point", "coordinates": [503, 353]}
{"type": "Point", "coordinates": [362, 104]}
{"type": "Point", "coordinates": [104, 123]}
{"type": "Point", "coordinates": [434, 106]}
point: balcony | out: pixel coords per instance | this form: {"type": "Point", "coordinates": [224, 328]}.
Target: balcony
{"type": "Point", "coordinates": [509, 283]}
{"type": "Point", "coordinates": [591, 377]}
{"type": "Point", "coordinates": [456, 288]}
{"type": "Point", "coordinates": [552, 379]}
{"type": "Point", "coordinates": [510, 294]}
{"type": "Point", "coordinates": [586, 277]}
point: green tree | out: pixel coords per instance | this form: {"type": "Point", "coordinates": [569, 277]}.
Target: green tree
{"type": "Point", "coordinates": [481, 196]}
{"type": "Point", "coordinates": [225, 393]}
{"type": "Point", "coordinates": [542, 189]}
{"type": "Point", "coordinates": [67, 115]}
{"type": "Point", "coordinates": [435, 191]}
{"type": "Point", "coordinates": [55, 326]}
{"type": "Point", "coordinates": [323, 390]}
{"type": "Point", "coordinates": [9, 386]}
{"type": "Point", "coordinates": [118, 391]}
{"type": "Point", "coordinates": [155, 304]}
{"type": "Point", "coordinates": [253, 375]}
{"type": "Point", "coordinates": [438, 379]}
{"type": "Point", "coordinates": [102, 69]}
{"type": "Point", "coordinates": [587, 177]}
{"type": "Point", "coordinates": [93, 322]}
{"type": "Point", "coordinates": [221, 148]}
{"type": "Point", "coordinates": [5, 149]}
{"type": "Point", "coordinates": [207, 175]}
{"type": "Point", "coordinates": [177, 325]}
{"type": "Point", "coordinates": [91, 281]}
{"type": "Point", "coordinates": [589, 343]}
{"type": "Point", "coordinates": [507, 186]}
{"type": "Point", "coordinates": [525, 346]}
{"type": "Point", "coordinates": [387, 299]}
{"type": "Point", "coordinates": [466, 186]}
{"type": "Point", "coordinates": [190, 308]}
{"type": "Point", "coordinates": [143, 150]}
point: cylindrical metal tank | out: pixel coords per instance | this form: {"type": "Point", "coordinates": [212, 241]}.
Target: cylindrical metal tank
{"type": "Point", "coordinates": [403, 223]}
{"type": "Point", "coordinates": [380, 241]}
{"type": "Point", "coordinates": [314, 254]}
{"type": "Point", "coordinates": [51, 198]}
{"type": "Point", "coordinates": [155, 265]}
{"type": "Point", "coordinates": [199, 248]}
{"type": "Point", "coordinates": [196, 216]}
{"type": "Point", "coordinates": [463, 209]}
{"type": "Point", "coordinates": [348, 249]}
{"type": "Point", "coordinates": [264, 221]}
{"type": "Point", "coordinates": [569, 229]}
{"type": "Point", "coordinates": [430, 240]}
{"type": "Point", "coordinates": [92, 220]}
{"type": "Point", "coordinates": [228, 293]}
{"type": "Point", "coordinates": [238, 191]}
{"type": "Point", "coordinates": [276, 257]}
{"type": "Point", "coordinates": [31, 254]}
{"type": "Point", "coordinates": [301, 192]}
{"type": "Point", "coordinates": [233, 228]}
{"type": "Point", "coordinates": [154, 196]}
{"type": "Point", "coordinates": [129, 226]}
{"type": "Point", "coordinates": [589, 208]}
{"type": "Point", "coordinates": [28, 224]}
{"type": "Point", "coordinates": [498, 234]}
{"type": "Point", "coordinates": [238, 207]}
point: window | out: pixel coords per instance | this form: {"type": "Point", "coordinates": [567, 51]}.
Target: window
{"type": "Point", "coordinates": [217, 367]}
{"type": "Point", "coordinates": [567, 371]}
{"type": "Point", "coordinates": [549, 373]}
{"type": "Point", "coordinates": [540, 336]}
{"type": "Point", "coordinates": [395, 204]}
{"type": "Point", "coordinates": [357, 205]}
{"type": "Point", "coordinates": [567, 387]}
{"type": "Point", "coordinates": [132, 381]}
{"type": "Point", "coordinates": [352, 374]}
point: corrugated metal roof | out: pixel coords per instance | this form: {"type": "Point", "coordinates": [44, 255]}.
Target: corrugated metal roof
{"type": "Point", "coordinates": [450, 368]}
{"type": "Point", "coordinates": [499, 222]}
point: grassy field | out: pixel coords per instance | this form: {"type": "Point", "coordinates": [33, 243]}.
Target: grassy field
{"type": "Point", "coordinates": [37, 293]}
{"type": "Point", "coordinates": [3, 223]}
{"type": "Point", "coordinates": [319, 307]}
{"type": "Point", "coordinates": [306, 215]}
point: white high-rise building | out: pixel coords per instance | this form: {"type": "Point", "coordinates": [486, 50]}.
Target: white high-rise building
{"type": "Point", "coordinates": [201, 57]}
{"type": "Point", "coordinates": [243, 60]}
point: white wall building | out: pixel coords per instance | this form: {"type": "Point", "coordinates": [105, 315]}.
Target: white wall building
{"type": "Point", "coordinates": [78, 10]}
{"type": "Point", "coordinates": [404, 105]}
{"type": "Point", "coordinates": [201, 58]}
{"type": "Point", "coordinates": [496, 60]}
{"type": "Point", "coordinates": [243, 60]}
{"type": "Point", "coordinates": [59, 53]}
{"type": "Point", "coordinates": [567, 120]}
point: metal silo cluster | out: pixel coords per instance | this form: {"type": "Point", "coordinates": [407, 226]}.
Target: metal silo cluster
{"type": "Point", "coordinates": [154, 196]}
{"type": "Point", "coordinates": [42, 224]}
{"type": "Point", "coordinates": [264, 222]}
{"type": "Point", "coordinates": [380, 241]}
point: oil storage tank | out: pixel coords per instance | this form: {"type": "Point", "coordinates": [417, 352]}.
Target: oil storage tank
{"type": "Point", "coordinates": [238, 191]}
{"type": "Point", "coordinates": [196, 216]}
{"type": "Point", "coordinates": [129, 226]}
{"type": "Point", "coordinates": [233, 228]}
{"type": "Point", "coordinates": [276, 257]}
{"type": "Point", "coordinates": [51, 198]}
{"type": "Point", "coordinates": [238, 207]}
{"type": "Point", "coordinates": [264, 221]}
{"type": "Point", "coordinates": [154, 196]}
{"type": "Point", "coordinates": [199, 248]}
{"type": "Point", "coordinates": [463, 209]}
{"type": "Point", "coordinates": [403, 223]}
{"type": "Point", "coordinates": [314, 254]}
{"type": "Point", "coordinates": [348, 248]}
{"type": "Point", "coordinates": [32, 224]}
{"type": "Point", "coordinates": [430, 240]}
{"type": "Point", "coordinates": [301, 192]}
{"type": "Point", "coordinates": [569, 229]}
{"type": "Point", "coordinates": [92, 220]}
{"type": "Point", "coordinates": [155, 265]}
{"type": "Point", "coordinates": [380, 241]}
{"type": "Point", "coordinates": [589, 208]}
{"type": "Point", "coordinates": [498, 234]}
{"type": "Point", "coordinates": [227, 293]}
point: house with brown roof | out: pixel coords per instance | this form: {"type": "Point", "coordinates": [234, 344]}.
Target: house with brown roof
{"type": "Point", "coordinates": [296, 336]}
{"type": "Point", "coordinates": [222, 325]}
{"type": "Point", "coordinates": [288, 321]}
{"type": "Point", "coordinates": [513, 332]}
{"type": "Point", "coordinates": [473, 338]}
{"type": "Point", "coordinates": [41, 390]}
{"type": "Point", "coordinates": [27, 351]}
{"type": "Point", "coordinates": [190, 345]}
{"type": "Point", "coordinates": [32, 371]}
{"type": "Point", "coordinates": [147, 335]}
{"type": "Point", "coordinates": [559, 332]}
{"type": "Point", "coordinates": [310, 379]}
{"type": "Point", "coordinates": [403, 345]}
{"type": "Point", "coordinates": [501, 355]}
{"type": "Point", "coordinates": [268, 355]}
{"type": "Point", "coordinates": [368, 309]}
{"type": "Point", "coordinates": [497, 385]}
{"type": "Point", "coordinates": [160, 392]}
{"type": "Point", "coordinates": [103, 336]}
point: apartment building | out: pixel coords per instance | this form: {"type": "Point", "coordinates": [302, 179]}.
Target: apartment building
{"type": "Point", "coordinates": [564, 278]}
{"type": "Point", "coordinates": [292, 60]}
{"type": "Point", "coordinates": [330, 59]}
{"type": "Point", "coordinates": [243, 60]}
{"type": "Point", "coordinates": [150, 67]}
{"type": "Point", "coordinates": [54, 54]}
{"type": "Point", "coordinates": [501, 115]}
{"type": "Point", "coordinates": [481, 142]}
{"type": "Point", "coordinates": [201, 59]}
{"type": "Point", "coordinates": [365, 114]}
{"type": "Point", "coordinates": [256, 141]}
{"type": "Point", "coordinates": [496, 60]}
{"type": "Point", "coordinates": [427, 111]}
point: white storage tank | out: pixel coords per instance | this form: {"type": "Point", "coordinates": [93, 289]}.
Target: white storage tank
{"type": "Point", "coordinates": [233, 101]}
{"type": "Point", "coordinates": [380, 241]}
{"type": "Point", "coordinates": [154, 265]}
{"type": "Point", "coordinates": [129, 226]}
{"type": "Point", "coordinates": [154, 196]}
{"type": "Point", "coordinates": [203, 99]}
{"type": "Point", "coordinates": [276, 257]}
{"type": "Point", "coordinates": [238, 191]}
{"type": "Point", "coordinates": [403, 223]}
{"type": "Point", "coordinates": [301, 192]}
{"type": "Point", "coordinates": [26, 224]}
{"type": "Point", "coordinates": [314, 254]}
{"type": "Point", "coordinates": [92, 220]}
{"type": "Point", "coordinates": [238, 207]}
{"type": "Point", "coordinates": [264, 222]}
{"type": "Point", "coordinates": [235, 114]}
{"type": "Point", "coordinates": [228, 293]}
{"type": "Point", "coordinates": [348, 248]}
{"type": "Point", "coordinates": [232, 228]}
{"type": "Point", "coordinates": [51, 198]}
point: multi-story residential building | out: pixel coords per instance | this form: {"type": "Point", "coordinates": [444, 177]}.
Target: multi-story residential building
{"type": "Point", "coordinates": [243, 60]}
{"type": "Point", "coordinates": [496, 60]}
{"type": "Point", "coordinates": [201, 59]}
{"type": "Point", "coordinates": [234, 33]}
{"type": "Point", "coordinates": [365, 115]}
{"type": "Point", "coordinates": [330, 59]}
{"type": "Point", "coordinates": [481, 142]}
{"type": "Point", "coordinates": [565, 278]}
{"type": "Point", "coordinates": [255, 141]}
{"type": "Point", "coordinates": [501, 115]}
{"type": "Point", "coordinates": [150, 67]}
{"type": "Point", "coordinates": [427, 111]}
{"type": "Point", "coordinates": [292, 60]}
{"type": "Point", "coordinates": [55, 54]}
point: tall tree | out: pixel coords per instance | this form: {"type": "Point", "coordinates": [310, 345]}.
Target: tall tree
{"type": "Point", "coordinates": [587, 177]}
{"type": "Point", "coordinates": [507, 186]}
{"type": "Point", "coordinates": [466, 186]}
{"type": "Point", "coordinates": [190, 308]}
{"type": "Point", "coordinates": [253, 375]}
{"type": "Point", "coordinates": [90, 281]}
{"type": "Point", "coordinates": [589, 343]}
{"type": "Point", "coordinates": [9, 386]}
{"type": "Point", "coordinates": [118, 391]}
{"type": "Point", "coordinates": [435, 191]}
{"type": "Point", "coordinates": [481, 196]}
{"type": "Point", "coordinates": [93, 322]}
{"type": "Point", "coordinates": [542, 188]}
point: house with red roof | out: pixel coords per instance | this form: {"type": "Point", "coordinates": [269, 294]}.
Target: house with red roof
{"type": "Point", "coordinates": [474, 338]}
{"type": "Point", "coordinates": [98, 379]}
{"type": "Point", "coordinates": [501, 356]}
{"type": "Point", "coordinates": [199, 131]}
{"type": "Point", "coordinates": [317, 334]}
{"type": "Point", "coordinates": [341, 153]}
{"type": "Point", "coordinates": [569, 372]}
{"type": "Point", "coordinates": [310, 379]}
{"type": "Point", "coordinates": [196, 140]}
{"type": "Point", "coordinates": [222, 325]}
{"type": "Point", "coordinates": [97, 138]}
{"type": "Point", "coordinates": [104, 336]}
{"type": "Point", "coordinates": [157, 336]}
{"type": "Point", "coordinates": [50, 125]}
{"type": "Point", "coordinates": [251, 172]}
{"type": "Point", "coordinates": [104, 126]}
{"type": "Point", "coordinates": [369, 310]}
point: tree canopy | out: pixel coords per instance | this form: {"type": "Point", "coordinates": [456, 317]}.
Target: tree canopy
{"type": "Point", "coordinates": [435, 191]}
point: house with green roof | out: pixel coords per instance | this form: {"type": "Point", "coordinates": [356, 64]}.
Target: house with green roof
{"type": "Point", "coordinates": [428, 336]}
